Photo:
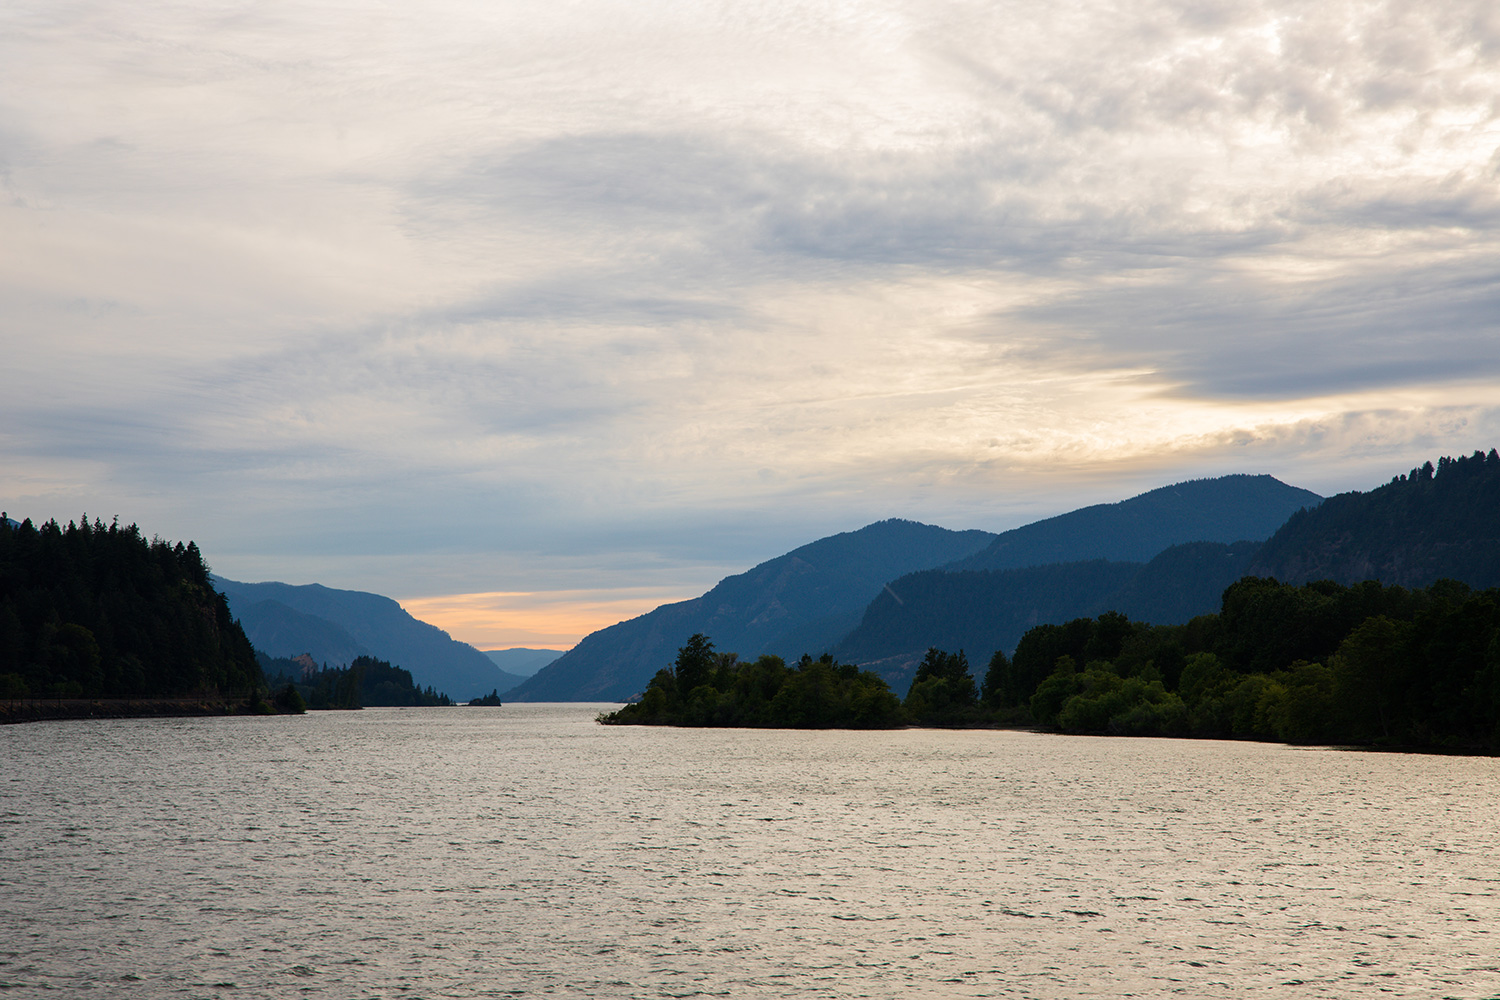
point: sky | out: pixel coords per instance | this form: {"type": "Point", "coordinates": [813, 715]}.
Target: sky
{"type": "Point", "coordinates": [535, 316]}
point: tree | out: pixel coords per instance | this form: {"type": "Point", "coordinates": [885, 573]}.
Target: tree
{"type": "Point", "coordinates": [694, 663]}
{"type": "Point", "coordinates": [943, 692]}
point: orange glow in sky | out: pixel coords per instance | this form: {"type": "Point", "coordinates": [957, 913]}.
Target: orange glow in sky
{"type": "Point", "coordinates": [539, 620]}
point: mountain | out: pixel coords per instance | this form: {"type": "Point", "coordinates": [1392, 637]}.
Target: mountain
{"type": "Point", "coordinates": [1431, 524]}
{"type": "Point", "coordinates": [281, 631]}
{"type": "Point", "coordinates": [520, 662]}
{"type": "Point", "coordinates": [809, 599]}
{"type": "Point", "coordinates": [1421, 527]}
{"type": "Point", "coordinates": [1227, 509]}
{"type": "Point", "coordinates": [803, 601]}
{"type": "Point", "coordinates": [1181, 583]}
{"type": "Point", "coordinates": [284, 620]}
{"type": "Point", "coordinates": [977, 611]}
{"type": "Point", "coordinates": [980, 611]}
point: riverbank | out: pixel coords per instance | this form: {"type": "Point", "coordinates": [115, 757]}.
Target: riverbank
{"type": "Point", "coordinates": [44, 709]}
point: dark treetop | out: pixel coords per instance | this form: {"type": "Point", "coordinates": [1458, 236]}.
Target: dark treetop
{"type": "Point", "coordinates": [90, 610]}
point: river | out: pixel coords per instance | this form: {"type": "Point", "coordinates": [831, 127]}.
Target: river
{"type": "Point", "coordinates": [526, 851]}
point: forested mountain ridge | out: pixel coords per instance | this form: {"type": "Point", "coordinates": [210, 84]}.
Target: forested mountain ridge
{"type": "Point", "coordinates": [794, 604]}
{"type": "Point", "coordinates": [1226, 509]}
{"type": "Point", "coordinates": [1431, 523]}
{"type": "Point", "coordinates": [375, 625]}
{"type": "Point", "coordinates": [277, 630]}
{"type": "Point", "coordinates": [804, 600]}
{"type": "Point", "coordinates": [1434, 523]}
{"type": "Point", "coordinates": [981, 611]}
{"type": "Point", "coordinates": [90, 610]}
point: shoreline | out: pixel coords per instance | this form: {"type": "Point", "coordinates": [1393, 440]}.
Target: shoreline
{"type": "Point", "coordinates": [50, 709]}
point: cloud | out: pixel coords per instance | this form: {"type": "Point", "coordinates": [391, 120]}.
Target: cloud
{"type": "Point", "coordinates": [469, 299]}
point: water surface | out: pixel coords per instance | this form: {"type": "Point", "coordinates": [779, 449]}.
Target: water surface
{"type": "Point", "coordinates": [526, 851]}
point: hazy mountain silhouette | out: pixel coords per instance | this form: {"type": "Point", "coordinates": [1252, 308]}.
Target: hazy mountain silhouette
{"type": "Point", "coordinates": [1227, 509]}
{"type": "Point", "coordinates": [324, 622]}
{"type": "Point", "coordinates": [808, 600]}
{"type": "Point", "coordinates": [521, 662]}
{"type": "Point", "coordinates": [803, 601]}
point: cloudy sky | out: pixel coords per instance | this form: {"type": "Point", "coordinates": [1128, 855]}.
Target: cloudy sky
{"type": "Point", "coordinates": [536, 315]}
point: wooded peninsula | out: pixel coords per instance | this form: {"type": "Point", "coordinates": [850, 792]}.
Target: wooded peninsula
{"type": "Point", "coordinates": [1321, 663]}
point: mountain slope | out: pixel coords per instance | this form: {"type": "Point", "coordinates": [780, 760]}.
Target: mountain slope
{"type": "Point", "coordinates": [807, 600]}
{"type": "Point", "coordinates": [520, 662]}
{"type": "Point", "coordinates": [977, 611]}
{"type": "Point", "coordinates": [799, 602]}
{"type": "Point", "coordinates": [374, 623]}
{"type": "Point", "coordinates": [1431, 524]}
{"type": "Point", "coordinates": [1418, 528]}
{"type": "Point", "coordinates": [980, 611]}
{"type": "Point", "coordinates": [1227, 509]}
{"type": "Point", "coordinates": [280, 631]}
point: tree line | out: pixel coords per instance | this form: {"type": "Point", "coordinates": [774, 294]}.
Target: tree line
{"type": "Point", "coordinates": [365, 682]}
{"type": "Point", "coordinates": [1317, 663]}
{"type": "Point", "coordinates": [1366, 664]}
{"type": "Point", "coordinates": [89, 610]}
{"type": "Point", "coordinates": [708, 688]}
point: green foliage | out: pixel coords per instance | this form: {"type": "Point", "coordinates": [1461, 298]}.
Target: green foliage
{"type": "Point", "coordinates": [491, 700]}
{"type": "Point", "coordinates": [13, 687]}
{"type": "Point", "coordinates": [289, 700]}
{"type": "Point", "coordinates": [366, 682]}
{"type": "Point", "coordinates": [98, 611]}
{"type": "Point", "coordinates": [1418, 528]}
{"type": "Point", "coordinates": [1051, 694]}
{"type": "Point", "coordinates": [943, 692]}
{"type": "Point", "coordinates": [1319, 663]}
{"type": "Point", "coordinates": [694, 661]}
{"type": "Point", "coordinates": [1105, 702]}
{"type": "Point", "coordinates": [765, 693]}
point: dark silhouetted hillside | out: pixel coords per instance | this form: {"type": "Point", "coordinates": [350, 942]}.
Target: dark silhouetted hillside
{"type": "Point", "coordinates": [1421, 527]}
{"type": "Point", "coordinates": [280, 631]}
{"type": "Point", "coordinates": [98, 611]}
{"type": "Point", "coordinates": [977, 611]}
{"type": "Point", "coordinates": [981, 611]}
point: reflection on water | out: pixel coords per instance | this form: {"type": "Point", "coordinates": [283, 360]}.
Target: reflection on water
{"type": "Point", "coordinates": [525, 850]}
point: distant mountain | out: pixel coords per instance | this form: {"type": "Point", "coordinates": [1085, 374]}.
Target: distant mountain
{"type": "Point", "coordinates": [280, 631]}
{"type": "Point", "coordinates": [284, 620]}
{"type": "Point", "coordinates": [520, 662]}
{"type": "Point", "coordinates": [1181, 583]}
{"type": "Point", "coordinates": [803, 601]}
{"type": "Point", "coordinates": [1227, 509]}
{"type": "Point", "coordinates": [1433, 523]}
{"type": "Point", "coordinates": [977, 611]}
{"type": "Point", "coordinates": [1421, 527]}
{"type": "Point", "coordinates": [980, 611]}
{"type": "Point", "coordinates": [807, 600]}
